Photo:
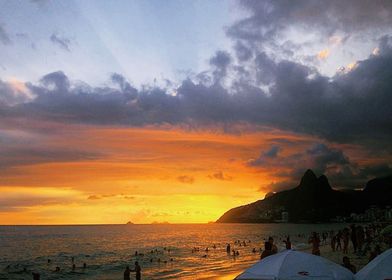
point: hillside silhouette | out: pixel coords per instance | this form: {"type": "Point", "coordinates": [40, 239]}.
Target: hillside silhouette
{"type": "Point", "coordinates": [313, 200]}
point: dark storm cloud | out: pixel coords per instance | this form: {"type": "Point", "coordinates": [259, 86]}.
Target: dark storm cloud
{"type": "Point", "coordinates": [4, 36]}
{"type": "Point", "coordinates": [61, 41]}
{"type": "Point", "coordinates": [350, 107]}
{"type": "Point", "coordinates": [265, 156]}
{"type": "Point", "coordinates": [269, 18]}
{"type": "Point", "coordinates": [322, 159]}
{"type": "Point", "coordinates": [221, 61]}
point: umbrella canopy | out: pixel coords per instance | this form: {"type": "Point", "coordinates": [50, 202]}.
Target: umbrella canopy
{"type": "Point", "coordinates": [296, 265]}
{"type": "Point", "coordinates": [380, 268]}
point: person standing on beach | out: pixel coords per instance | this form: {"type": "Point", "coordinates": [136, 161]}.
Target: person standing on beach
{"type": "Point", "coordinates": [333, 243]}
{"type": "Point", "coordinates": [360, 238]}
{"type": "Point", "coordinates": [127, 273]}
{"type": "Point", "coordinates": [354, 237]}
{"type": "Point", "coordinates": [315, 241]}
{"type": "Point", "coordinates": [267, 250]}
{"type": "Point", "coordinates": [338, 241]}
{"type": "Point", "coordinates": [287, 242]}
{"type": "Point", "coordinates": [346, 238]}
{"type": "Point", "coordinates": [228, 249]}
{"type": "Point", "coordinates": [274, 249]}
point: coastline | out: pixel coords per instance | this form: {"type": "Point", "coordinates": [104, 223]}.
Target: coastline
{"type": "Point", "coordinates": [359, 261]}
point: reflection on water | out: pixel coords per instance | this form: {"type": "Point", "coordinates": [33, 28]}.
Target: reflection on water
{"type": "Point", "coordinates": [164, 251]}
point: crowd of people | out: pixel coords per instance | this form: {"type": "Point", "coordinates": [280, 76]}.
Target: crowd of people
{"type": "Point", "coordinates": [362, 241]}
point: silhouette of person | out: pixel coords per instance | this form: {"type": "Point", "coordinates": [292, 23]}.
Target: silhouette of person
{"type": "Point", "coordinates": [354, 237]}
{"type": "Point", "coordinates": [36, 276]}
{"type": "Point", "coordinates": [274, 249]}
{"type": "Point", "coordinates": [267, 250]}
{"type": "Point", "coordinates": [127, 273]}
{"type": "Point", "coordinates": [228, 248]}
{"type": "Point", "coordinates": [287, 242]}
{"type": "Point", "coordinates": [138, 271]}
{"type": "Point", "coordinates": [338, 241]}
{"type": "Point", "coordinates": [315, 241]}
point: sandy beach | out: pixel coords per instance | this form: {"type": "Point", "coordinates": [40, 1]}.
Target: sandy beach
{"type": "Point", "coordinates": [358, 260]}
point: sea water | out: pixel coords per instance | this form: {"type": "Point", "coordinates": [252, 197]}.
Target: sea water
{"type": "Point", "coordinates": [108, 249]}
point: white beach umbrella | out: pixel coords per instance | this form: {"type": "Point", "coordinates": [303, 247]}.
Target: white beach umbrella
{"type": "Point", "coordinates": [296, 265]}
{"type": "Point", "coordinates": [380, 268]}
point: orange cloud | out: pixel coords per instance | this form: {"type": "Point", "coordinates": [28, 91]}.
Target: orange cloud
{"type": "Point", "coordinates": [323, 54]}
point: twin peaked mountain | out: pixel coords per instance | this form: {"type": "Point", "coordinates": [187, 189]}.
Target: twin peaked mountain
{"type": "Point", "coordinates": [313, 200]}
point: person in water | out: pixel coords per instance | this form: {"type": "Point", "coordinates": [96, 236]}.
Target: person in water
{"type": "Point", "coordinates": [228, 248]}
{"type": "Point", "coordinates": [127, 273]}
{"type": "Point", "coordinates": [347, 264]}
{"type": "Point", "coordinates": [36, 276]}
{"type": "Point", "coordinates": [138, 271]}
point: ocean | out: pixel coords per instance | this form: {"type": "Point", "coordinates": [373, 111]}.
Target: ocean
{"type": "Point", "coordinates": [108, 249]}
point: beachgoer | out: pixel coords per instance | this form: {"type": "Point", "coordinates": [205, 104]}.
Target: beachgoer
{"type": "Point", "coordinates": [84, 265]}
{"type": "Point", "coordinates": [324, 235]}
{"type": "Point", "coordinates": [315, 241]}
{"type": "Point", "coordinates": [267, 250]}
{"type": "Point", "coordinates": [228, 248]}
{"type": "Point", "coordinates": [360, 238]}
{"type": "Point", "coordinates": [274, 249]}
{"type": "Point", "coordinates": [347, 264]}
{"type": "Point", "coordinates": [346, 237]}
{"type": "Point", "coordinates": [57, 269]}
{"type": "Point", "coordinates": [36, 276]}
{"type": "Point", "coordinates": [127, 273]}
{"type": "Point", "coordinates": [138, 271]}
{"type": "Point", "coordinates": [73, 267]}
{"type": "Point", "coordinates": [287, 242]}
{"type": "Point", "coordinates": [338, 241]}
{"type": "Point", "coordinates": [333, 243]}
{"type": "Point", "coordinates": [354, 237]}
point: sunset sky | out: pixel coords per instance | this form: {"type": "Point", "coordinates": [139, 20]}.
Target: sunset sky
{"type": "Point", "coordinates": [176, 111]}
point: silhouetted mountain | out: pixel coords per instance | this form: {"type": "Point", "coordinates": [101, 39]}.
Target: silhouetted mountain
{"type": "Point", "coordinates": [313, 200]}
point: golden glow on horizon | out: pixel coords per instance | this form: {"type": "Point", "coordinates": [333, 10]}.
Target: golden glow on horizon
{"type": "Point", "coordinates": [137, 174]}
